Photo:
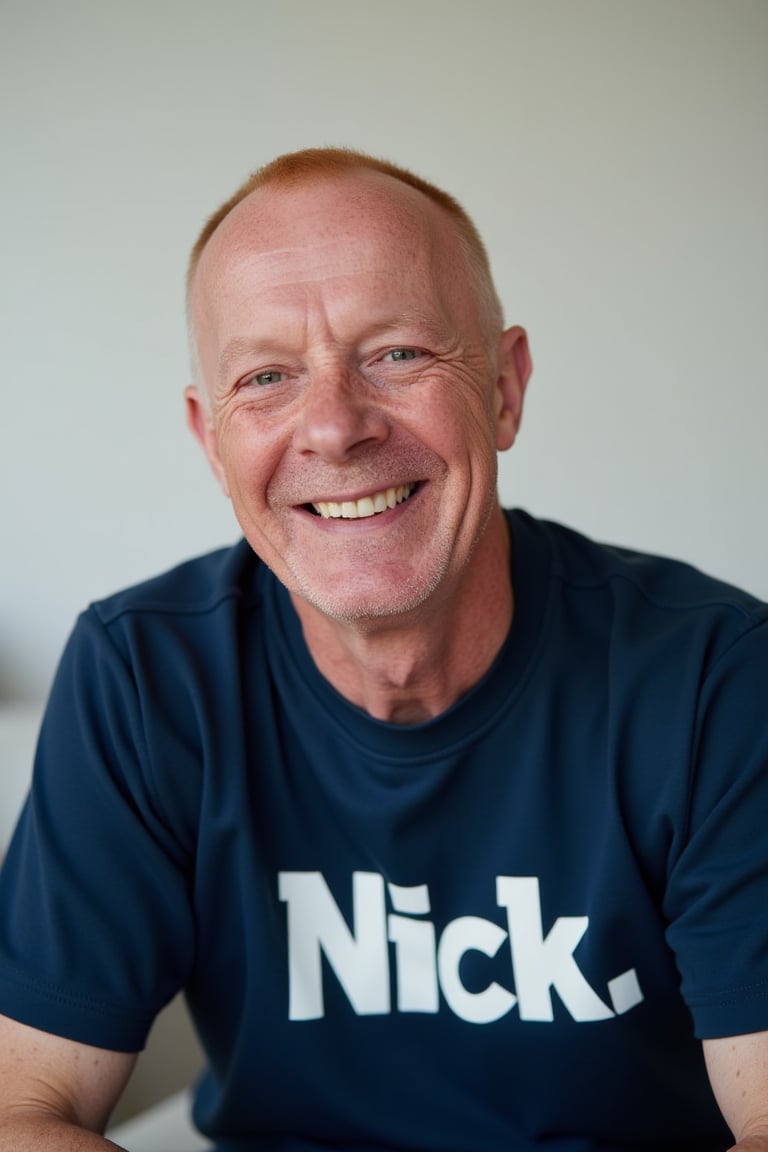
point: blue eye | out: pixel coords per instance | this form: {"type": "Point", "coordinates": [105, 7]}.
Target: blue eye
{"type": "Point", "coordinates": [268, 377]}
{"type": "Point", "coordinates": [400, 354]}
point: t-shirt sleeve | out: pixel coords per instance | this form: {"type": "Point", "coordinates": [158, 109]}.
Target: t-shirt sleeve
{"type": "Point", "coordinates": [96, 926]}
{"type": "Point", "coordinates": [717, 892]}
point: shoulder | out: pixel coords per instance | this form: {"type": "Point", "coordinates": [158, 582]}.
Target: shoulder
{"type": "Point", "coordinates": [182, 624]}
{"type": "Point", "coordinates": [628, 584]}
{"type": "Point", "coordinates": [195, 587]}
{"type": "Point", "coordinates": [152, 674]}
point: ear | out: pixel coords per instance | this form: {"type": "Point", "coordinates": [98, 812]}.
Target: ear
{"type": "Point", "coordinates": [201, 426]}
{"type": "Point", "coordinates": [514, 369]}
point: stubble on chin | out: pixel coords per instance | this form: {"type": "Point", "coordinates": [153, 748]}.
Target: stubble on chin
{"type": "Point", "coordinates": [355, 601]}
{"type": "Point", "coordinates": [402, 590]}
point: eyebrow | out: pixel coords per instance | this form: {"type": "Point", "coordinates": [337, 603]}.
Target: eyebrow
{"type": "Point", "coordinates": [236, 349]}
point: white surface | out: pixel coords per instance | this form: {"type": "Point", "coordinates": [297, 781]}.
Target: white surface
{"type": "Point", "coordinates": [165, 1128]}
{"type": "Point", "coordinates": [613, 153]}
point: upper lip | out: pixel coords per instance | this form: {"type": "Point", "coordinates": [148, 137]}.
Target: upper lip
{"type": "Point", "coordinates": [355, 507]}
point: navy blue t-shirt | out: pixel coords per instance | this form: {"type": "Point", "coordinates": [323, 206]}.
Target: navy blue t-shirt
{"type": "Point", "coordinates": [504, 929]}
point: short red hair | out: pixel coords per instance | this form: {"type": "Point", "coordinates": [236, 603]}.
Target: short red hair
{"type": "Point", "coordinates": [317, 164]}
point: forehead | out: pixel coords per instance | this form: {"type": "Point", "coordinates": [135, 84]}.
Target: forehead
{"type": "Point", "coordinates": [357, 223]}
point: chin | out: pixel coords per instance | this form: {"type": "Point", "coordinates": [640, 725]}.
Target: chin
{"type": "Point", "coordinates": [372, 604]}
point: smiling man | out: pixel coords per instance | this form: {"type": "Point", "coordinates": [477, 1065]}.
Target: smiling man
{"type": "Point", "coordinates": [448, 821]}
{"type": "Point", "coordinates": [358, 387]}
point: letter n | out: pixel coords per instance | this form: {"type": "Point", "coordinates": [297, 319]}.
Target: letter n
{"type": "Point", "coordinates": [316, 928]}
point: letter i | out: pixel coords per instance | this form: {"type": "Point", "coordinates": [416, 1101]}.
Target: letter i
{"type": "Point", "coordinates": [414, 940]}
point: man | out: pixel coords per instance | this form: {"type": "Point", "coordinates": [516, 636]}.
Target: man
{"type": "Point", "coordinates": [449, 822]}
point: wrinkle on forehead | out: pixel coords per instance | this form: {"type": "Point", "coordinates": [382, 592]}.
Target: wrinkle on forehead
{"type": "Point", "coordinates": [325, 223]}
{"type": "Point", "coordinates": [314, 263]}
{"type": "Point", "coordinates": [291, 282]}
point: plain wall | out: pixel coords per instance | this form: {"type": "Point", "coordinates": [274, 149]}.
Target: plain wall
{"type": "Point", "coordinates": [613, 154]}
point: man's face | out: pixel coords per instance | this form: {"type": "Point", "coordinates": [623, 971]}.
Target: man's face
{"type": "Point", "coordinates": [355, 407]}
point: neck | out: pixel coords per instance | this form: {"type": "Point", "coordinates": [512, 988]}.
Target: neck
{"type": "Point", "coordinates": [406, 670]}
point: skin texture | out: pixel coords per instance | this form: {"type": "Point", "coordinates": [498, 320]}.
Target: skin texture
{"type": "Point", "coordinates": [56, 1094]}
{"type": "Point", "coordinates": [738, 1072]}
{"type": "Point", "coordinates": [345, 354]}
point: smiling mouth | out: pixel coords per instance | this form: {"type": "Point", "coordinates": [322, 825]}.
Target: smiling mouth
{"type": "Point", "coordinates": [364, 508]}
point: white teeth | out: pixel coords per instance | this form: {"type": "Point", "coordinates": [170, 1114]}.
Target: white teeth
{"type": "Point", "coordinates": [367, 506]}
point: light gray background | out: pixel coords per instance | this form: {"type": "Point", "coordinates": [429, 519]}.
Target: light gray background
{"type": "Point", "coordinates": [612, 152]}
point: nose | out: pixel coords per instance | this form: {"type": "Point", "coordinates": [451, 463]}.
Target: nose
{"type": "Point", "coordinates": [338, 416]}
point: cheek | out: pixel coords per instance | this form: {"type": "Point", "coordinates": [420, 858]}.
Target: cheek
{"type": "Point", "coordinates": [462, 422]}
{"type": "Point", "coordinates": [244, 462]}
{"type": "Point", "coordinates": [242, 440]}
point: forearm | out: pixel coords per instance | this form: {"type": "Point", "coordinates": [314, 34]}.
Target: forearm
{"type": "Point", "coordinates": [756, 1143]}
{"type": "Point", "coordinates": [44, 1133]}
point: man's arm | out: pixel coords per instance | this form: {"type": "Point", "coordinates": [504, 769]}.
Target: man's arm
{"type": "Point", "coordinates": [54, 1093]}
{"type": "Point", "coordinates": [738, 1072]}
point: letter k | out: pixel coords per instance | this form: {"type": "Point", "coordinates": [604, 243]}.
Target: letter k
{"type": "Point", "coordinates": [544, 962]}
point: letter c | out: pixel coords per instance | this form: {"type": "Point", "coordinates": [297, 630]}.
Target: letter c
{"type": "Point", "coordinates": [463, 935]}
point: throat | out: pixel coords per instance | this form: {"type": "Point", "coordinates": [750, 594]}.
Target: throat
{"type": "Point", "coordinates": [409, 712]}
{"type": "Point", "coordinates": [402, 679]}
{"type": "Point", "coordinates": [408, 668]}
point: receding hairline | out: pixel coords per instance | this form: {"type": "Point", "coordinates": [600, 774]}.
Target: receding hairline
{"type": "Point", "coordinates": [317, 165]}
